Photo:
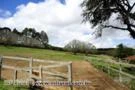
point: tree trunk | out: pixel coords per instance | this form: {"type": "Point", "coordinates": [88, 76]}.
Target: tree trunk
{"type": "Point", "coordinates": [132, 33]}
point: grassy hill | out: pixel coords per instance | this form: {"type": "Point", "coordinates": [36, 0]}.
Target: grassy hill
{"type": "Point", "coordinates": [39, 53]}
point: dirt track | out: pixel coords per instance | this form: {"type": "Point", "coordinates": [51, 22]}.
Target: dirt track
{"type": "Point", "coordinates": [99, 81]}
{"type": "Point", "coordinates": [83, 70]}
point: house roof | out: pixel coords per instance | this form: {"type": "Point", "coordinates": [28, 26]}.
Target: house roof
{"type": "Point", "coordinates": [130, 58]}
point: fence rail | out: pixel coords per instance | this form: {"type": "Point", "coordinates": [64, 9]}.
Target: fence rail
{"type": "Point", "coordinates": [39, 69]}
{"type": "Point", "coordinates": [106, 66]}
{"type": "Point", "coordinates": [34, 60]}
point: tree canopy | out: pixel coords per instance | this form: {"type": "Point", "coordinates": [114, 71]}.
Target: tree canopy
{"type": "Point", "coordinates": [44, 38]}
{"type": "Point", "coordinates": [77, 46]}
{"type": "Point", "coordinates": [32, 33]}
{"type": "Point", "coordinates": [98, 13]}
{"type": "Point", "coordinates": [8, 36]}
{"type": "Point", "coordinates": [29, 32]}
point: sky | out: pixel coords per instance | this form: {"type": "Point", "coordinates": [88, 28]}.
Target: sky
{"type": "Point", "coordinates": [62, 21]}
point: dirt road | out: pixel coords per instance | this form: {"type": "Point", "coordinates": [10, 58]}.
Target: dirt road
{"type": "Point", "coordinates": [83, 70]}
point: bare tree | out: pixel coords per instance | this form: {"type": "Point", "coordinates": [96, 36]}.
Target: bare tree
{"type": "Point", "coordinates": [76, 46]}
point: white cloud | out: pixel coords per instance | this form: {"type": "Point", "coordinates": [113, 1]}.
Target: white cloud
{"type": "Point", "coordinates": [61, 22]}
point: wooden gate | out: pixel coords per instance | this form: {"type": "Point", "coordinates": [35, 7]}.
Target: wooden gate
{"type": "Point", "coordinates": [40, 69]}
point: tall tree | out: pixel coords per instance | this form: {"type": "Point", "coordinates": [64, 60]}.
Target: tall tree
{"type": "Point", "coordinates": [44, 38]}
{"type": "Point", "coordinates": [29, 32]}
{"type": "Point", "coordinates": [16, 31]}
{"type": "Point", "coordinates": [32, 33]}
{"type": "Point", "coordinates": [120, 51]}
{"type": "Point", "coordinates": [98, 12]}
{"type": "Point", "coordinates": [5, 35]}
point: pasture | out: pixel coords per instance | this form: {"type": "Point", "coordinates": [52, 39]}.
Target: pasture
{"type": "Point", "coordinates": [82, 69]}
{"type": "Point", "coordinates": [39, 53]}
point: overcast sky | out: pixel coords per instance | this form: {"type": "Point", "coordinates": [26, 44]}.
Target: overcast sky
{"type": "Point", "coordinates": [61, 19]}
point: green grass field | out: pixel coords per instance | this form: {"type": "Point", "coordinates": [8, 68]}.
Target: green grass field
{"type": "Point", "coordinates": [39, 53]}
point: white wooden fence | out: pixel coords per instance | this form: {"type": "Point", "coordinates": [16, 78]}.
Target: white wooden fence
{"type": "Point", "coordinates": [40, 69]}
{"type": "Point", "coordinates": [109, 69]}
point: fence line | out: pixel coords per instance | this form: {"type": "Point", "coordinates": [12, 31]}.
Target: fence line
{"type": "Point", "coordinates": [124, 73]}
{"type": "Point", "coordinates": [40, 69]}
{"type": "Point", "coordinates": [118, 72]}
{"type": "Point", "coordinates": [34, 60]}
{"type": "Point", "coordinates": [114, 62]}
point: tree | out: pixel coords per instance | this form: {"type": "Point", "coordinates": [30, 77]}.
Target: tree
{"type": "Point", "coordinates": [25, 32]}
{"type": "Point", "coordinates": [123, 51]}
{"type": "Point", "coordinates": [73, 46]}
{"type": "Point", "coordinates": [32, 33]}
{"type": "Point", "coordinates": [29, 32]}
{"type": "Point", "coordinates": [6, 29]}
{"type": "Point", "coordinates": [44, 38]}
{"type": "Point", "coordinates": [77, 46]}
{"type": "Point", "coordinates": [16, 31]}
{"type": "Point", "coordinates": [98, 12]}
{"type": "Point", "coordinates": [88, 47]}
{"type": "Point", "coordinates": [119, 51]}
{"type": "Point", "coordinates": [37, 35]}
{"type": "Point", "coordinates": [6, 35]}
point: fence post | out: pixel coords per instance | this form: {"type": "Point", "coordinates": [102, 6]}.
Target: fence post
{"type": "Point", "coordinates": [40, 72]}
{"type": "Point", "coordinates": [70, 75]}
{"type": "Point", "coordinates": [120, 70]}
{"type": "Point", "coordinates": [30, 68]}
{"type": "Point", "coordinates": [108, 67]}
{"type": "Point", "coordinates": [0, 67]}
{"type": "Point", "coordinates": [15, 75]}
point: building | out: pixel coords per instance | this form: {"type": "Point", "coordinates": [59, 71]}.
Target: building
{"type": "Point", "coordinates": [130, 59]}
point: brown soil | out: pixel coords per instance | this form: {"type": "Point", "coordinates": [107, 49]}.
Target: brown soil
{"type": "Point", "coordinates": [82, 70]}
